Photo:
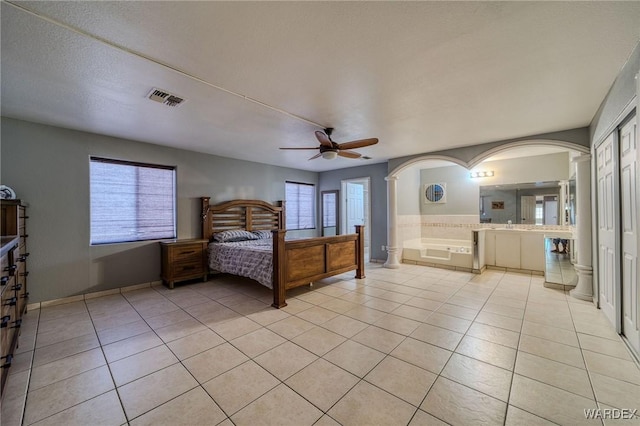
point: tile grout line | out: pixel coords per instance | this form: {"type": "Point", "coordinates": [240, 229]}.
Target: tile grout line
{"type": "Point", "coordinates": [321, 326]}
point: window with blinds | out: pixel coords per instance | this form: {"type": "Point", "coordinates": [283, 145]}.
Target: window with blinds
{"type": "Point", "coordinates": [131, 201]}
{"type": "Point", "coordinates": [300, 207]}
{"type": "Point", "coordinates": [329, 218]}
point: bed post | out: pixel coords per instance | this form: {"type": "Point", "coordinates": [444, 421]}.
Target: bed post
{"type": "Point", "coordinates": [360, 251]}
{"type": "Point", "coordinates": [281, 214]}
{"type": "Point", "coordinates": [279, 272]}
{"type": "Point", "coordinates": [206, 218]}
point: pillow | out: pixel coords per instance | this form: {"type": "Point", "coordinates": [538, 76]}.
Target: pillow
{"type": "Point", "coordinates": [234, 235]}
{"type": "Point", "coordinates": [263, 235]}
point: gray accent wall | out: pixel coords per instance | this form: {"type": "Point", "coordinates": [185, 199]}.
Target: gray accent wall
{"type": "Point", "coordinates": [48, 167]}
{"type": "Point", "coordinates": [331, 180]}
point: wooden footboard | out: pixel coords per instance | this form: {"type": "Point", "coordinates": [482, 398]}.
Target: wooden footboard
{"type": "Point", "coordinates": [300, 262]}
{"type": "Point", "coordinates": [296, 262]}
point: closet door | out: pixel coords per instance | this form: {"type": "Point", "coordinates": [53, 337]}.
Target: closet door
{"type": "Point", "coordinates": [606, 202]}
{"type": "Point", "coordinates": [630, 296]}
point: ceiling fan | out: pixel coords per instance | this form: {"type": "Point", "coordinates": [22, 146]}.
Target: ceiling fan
{"type": "Point", "coordinates": [330, 149]}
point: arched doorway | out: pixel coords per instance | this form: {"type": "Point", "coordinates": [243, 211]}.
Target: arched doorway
{"type": "Point", "coordinates": [468, 212]}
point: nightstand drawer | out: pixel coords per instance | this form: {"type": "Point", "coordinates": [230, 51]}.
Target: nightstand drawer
{"type": "Point", "coordinates": [187, 252]}
{"type": "Point", "coordinates": [184, 269]}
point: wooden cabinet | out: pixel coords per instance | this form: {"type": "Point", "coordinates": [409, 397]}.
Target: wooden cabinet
{"type": "Point", "coordinates": [13, 276]}
{"type": "Point", "coordinates": [183, 260]}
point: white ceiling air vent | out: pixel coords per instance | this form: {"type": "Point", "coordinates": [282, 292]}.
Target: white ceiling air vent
{"type": "Point", "coordinates": [165, 97]}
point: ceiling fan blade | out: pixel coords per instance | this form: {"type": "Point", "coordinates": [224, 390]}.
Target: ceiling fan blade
{"type": "Point", "coordinates": [315, 156]}
{"type": "Point", "coordinates": [358, 144]}
{"type": "Point", "coordinates": [323, 139]}
{"type": "Point", "coordinates": [315, 147]}
{"type": "Point", "coordinates": [349, 154]}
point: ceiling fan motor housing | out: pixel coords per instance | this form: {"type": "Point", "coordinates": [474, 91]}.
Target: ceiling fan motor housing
{"type": "Point", "coordinates": [334, 148]}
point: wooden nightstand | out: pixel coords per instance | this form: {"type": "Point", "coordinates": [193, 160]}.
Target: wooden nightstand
{"type": "Point", "coordinates": [183, 260]}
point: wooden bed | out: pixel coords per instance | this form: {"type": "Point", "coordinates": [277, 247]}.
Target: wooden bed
{"type": "Point", "coordinates": [295, 262]}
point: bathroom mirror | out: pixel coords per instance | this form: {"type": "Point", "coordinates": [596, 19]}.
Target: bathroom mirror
{"type": "Point", "coordinates": [330, 212]}
{"type": "Point", "coordinates": [535, 203]}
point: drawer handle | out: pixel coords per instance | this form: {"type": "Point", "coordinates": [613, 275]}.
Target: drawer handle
{"type": "Point", "coordinates": [4, 280]}
{"type": "Point", "coordinates": [24, 217]}
{"type": "Point", "coordinates": [5, 321]}
{"type": "Point", "coordinates": [25, 296]}
{"type": "Point", "coordinates": [188, 267]}
{"type": "Point", "coordinates": [23, 258]}
{"type": "Point", "coordinates": [24, 274]}
{"type": "Point", "coordinates": [9, 358]}
{"type": "Point", "coordinates": [12, 301]}
{"type": "Point", "coordinates": [17, 287]}
{"type": "Point", "coordinates": [187, 252]}
{"type": "Point", "coordinates": [11, 269]}
{"type": "Point", "coordinates": [17, 323]}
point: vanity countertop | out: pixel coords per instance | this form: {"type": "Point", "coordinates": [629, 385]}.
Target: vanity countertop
{"type": "Point", "coordinates": [527, 230]}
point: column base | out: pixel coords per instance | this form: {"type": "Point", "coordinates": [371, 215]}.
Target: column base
{"type": "Point", "coordinates": [392, 258]}
{"type": "Point", "coordinates": [584, 287]}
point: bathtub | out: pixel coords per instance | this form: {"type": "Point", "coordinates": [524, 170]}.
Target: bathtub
{"type": "Point", "coordinates": [439, 252]}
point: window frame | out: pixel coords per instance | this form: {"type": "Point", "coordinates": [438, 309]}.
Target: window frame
{"type": "Point", "coordinates": [138, 164]}
{"type": "Point", "coordinates": [312, 209]}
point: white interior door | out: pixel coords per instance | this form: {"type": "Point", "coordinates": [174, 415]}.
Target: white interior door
{"type": "Point", "coordinates": [630, 295]}
{"type": "Point", "coordinates": [355, 206]}
{"type": "Point", "coordinates": [550, 212]}
{"type": "Point", "coordinates": [607, 265]}
{"type": "Point", "coordinates": [355, 210]}
{"type": "Point", "coordinates": [528, 209]}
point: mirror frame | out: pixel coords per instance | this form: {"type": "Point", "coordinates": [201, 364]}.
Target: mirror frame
{"type": "Point", "coordinates": [323, 209]}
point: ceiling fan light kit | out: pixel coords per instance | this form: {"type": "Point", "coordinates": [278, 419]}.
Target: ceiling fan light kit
{"type": "Point", "coordinates": [329, 155]}
{"type": "Point", "coordinates": [330, 150]}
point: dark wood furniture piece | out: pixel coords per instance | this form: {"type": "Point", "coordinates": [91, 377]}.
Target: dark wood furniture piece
{"type": "Point", "coordinates": [295, 262]}
{"type": "Point", "coordinates": [13, 280]}
{"type": "Point", "coordinates": [184, 260]}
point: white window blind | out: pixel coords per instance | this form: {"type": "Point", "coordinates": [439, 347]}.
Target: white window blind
{"type": "Point", "coordinates": [329, 217]}
{"type": "Point", "coordinates": [131, 201]}
{"type": "Point", "coordinates": [300, 207]}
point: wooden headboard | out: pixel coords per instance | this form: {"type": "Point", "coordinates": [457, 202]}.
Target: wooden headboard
{"type": "Point", "coordinates": [252, 215]}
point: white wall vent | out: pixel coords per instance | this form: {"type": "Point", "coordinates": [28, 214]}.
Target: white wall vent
{"type": "Point", "coordinates": [434, 193]}
{"type": "Point", "coordinates": [164, 97]}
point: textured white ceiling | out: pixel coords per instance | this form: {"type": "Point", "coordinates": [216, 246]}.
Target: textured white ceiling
{"type": "Point", "coordinates": [420, 76]}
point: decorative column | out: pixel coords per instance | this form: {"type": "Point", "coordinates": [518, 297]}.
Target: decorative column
{"type": "Point", "coordinates": [564, 197]}
{"type": "Point", "coordinates": [392, 223]}
{"type": "Point", "coordinates": [584, 270]}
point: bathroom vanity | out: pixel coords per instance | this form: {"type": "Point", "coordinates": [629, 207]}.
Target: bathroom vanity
{"type": "Point", "coordinates": [511, 249]}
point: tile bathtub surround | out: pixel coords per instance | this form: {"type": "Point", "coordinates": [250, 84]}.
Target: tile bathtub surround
{"type": "Point", "coordinates": [411, 346]}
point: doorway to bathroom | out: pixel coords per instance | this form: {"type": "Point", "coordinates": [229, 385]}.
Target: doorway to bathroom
{"type": "Point", "coordinates": [355, 209]}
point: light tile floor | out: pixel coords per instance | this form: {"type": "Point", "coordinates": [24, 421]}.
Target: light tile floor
{"type": "Point", "coordinates": [413, 346]}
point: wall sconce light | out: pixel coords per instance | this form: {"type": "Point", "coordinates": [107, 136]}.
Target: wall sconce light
{"type": "Point", "coordinates": [474, 175]}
